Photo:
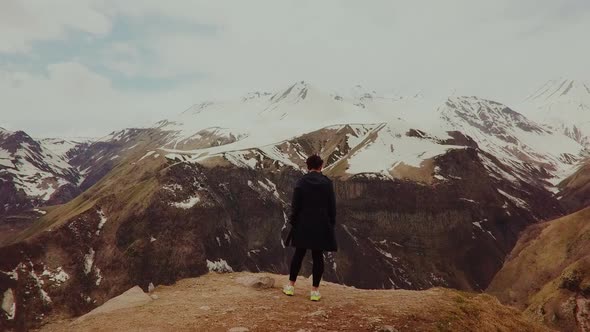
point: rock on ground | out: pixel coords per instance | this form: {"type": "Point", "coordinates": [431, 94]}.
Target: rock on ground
{"type": "Point", "coordinates": [256, 281]}
{"type": "Point", "coordinates": [132, 298]}
{"type": "Point", "coordinates": [239, 329]}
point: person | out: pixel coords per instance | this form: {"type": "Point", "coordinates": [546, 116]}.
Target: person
{"type": "Point", "coordinates": [313, 217]}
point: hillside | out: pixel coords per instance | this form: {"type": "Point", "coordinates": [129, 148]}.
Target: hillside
{"type": "Point", "coordinates": [548, 273]}
{"type": "Point", "coordinates": [222, 302]}
{"type": "Point", "coordinates": [574, 191]}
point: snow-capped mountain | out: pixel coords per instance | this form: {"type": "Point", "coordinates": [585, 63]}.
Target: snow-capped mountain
{"type": "Point", "coordinates": [527, 147]}
{"type": "Point", "coordinates": [564, 105]}
{"type": "Point", "coordinates": [374, 129]}
{"type": "Point", "coordinates": [263, 120]}
{"type": "Point", "coordinates": [31, 173]}
{"type": "Point", "coordinates": [376, 140]}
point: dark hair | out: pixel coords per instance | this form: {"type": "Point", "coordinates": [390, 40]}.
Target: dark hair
{"type": "Point", "coordinates": [314, 162]}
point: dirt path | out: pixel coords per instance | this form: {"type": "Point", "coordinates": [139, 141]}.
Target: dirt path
{"type": "Point", "coordinates": [217, 302]}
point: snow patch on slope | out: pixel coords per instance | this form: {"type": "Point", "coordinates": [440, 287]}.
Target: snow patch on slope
{"type": "Point", "coordinates": [517, 201]}
{"type": "Point", "coordinates": [8, 304]}
{"type": "Point", "coordinates": [89, 261]}
{"type": "Point", "coordinates": [187, 203]}
{"type": "Point", "coordinates": [58, 277]}
{"type": "Point", "coordinates": [392, 147]}
{"type": "Point", "coordinates": [219, 266]}
{"type": "Point", "coordinates": [103, 220]}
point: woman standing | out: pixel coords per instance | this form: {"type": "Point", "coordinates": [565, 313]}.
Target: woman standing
{"type": "Point", "coordinates": [312, 219]}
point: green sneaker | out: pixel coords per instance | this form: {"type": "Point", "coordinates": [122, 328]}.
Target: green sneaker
{"type": "Point", "coordinates": [289, 290]}
{"type": "Point", "coordinates": [315, 296]}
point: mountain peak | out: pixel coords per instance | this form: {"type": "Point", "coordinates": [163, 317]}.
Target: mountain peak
{"type": "Point", "coordinates": [255, 95]}
{"type": "Point", "coordinates": [361, 92]}
{"type": "Point", "coordinates": [490, 116]}
{"type": "Point", "coordinates": [474, 103]}
{"type": "Point", "coordinates": [561, 89]}
{"type": "Point", "coordinates": [293, 93]}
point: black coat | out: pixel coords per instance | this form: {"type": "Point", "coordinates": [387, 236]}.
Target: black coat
{"type": "Point", "coordinates": [313, 213]}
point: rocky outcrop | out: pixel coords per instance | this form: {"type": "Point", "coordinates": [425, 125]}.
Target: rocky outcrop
{"type": "Point", "coordinates": [132, 298]}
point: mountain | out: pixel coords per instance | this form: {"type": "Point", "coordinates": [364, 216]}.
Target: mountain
{"type": "Point", "coordinates": [548, 273]}
{"type": "Point", "coordinates": [31, 175]}
{"type": "Point", "coordinates": [259, 119]}
{"type": "Point", "coordinates": [563, 105]}
{"type": "Point", "coordinates": [262, 119]}
{"type": "Point", "coordinates": [439, 203]}
{"type": "Point", "coordinates": [38, 173]}
{"type": "Point", "coordinates": [574, 193]}
{"type": "Point", "coordinates": [254, 302]}
{"type": "Point", "coordinates": [35, 173]}
{"type": "Point", "coordinates": [532, 151]}
{"type": "Point", "coordinates": [32, 168]}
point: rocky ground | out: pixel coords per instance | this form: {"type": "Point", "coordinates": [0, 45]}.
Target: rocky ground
{"type": "Point", "coordinates": [254, 302]}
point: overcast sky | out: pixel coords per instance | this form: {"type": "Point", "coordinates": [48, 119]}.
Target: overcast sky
{"type": "Point", "coordinates": [86, 67]}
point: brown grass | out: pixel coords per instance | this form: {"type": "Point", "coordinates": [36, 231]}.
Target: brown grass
{"type": "Point", "coordinates": [130, 182]}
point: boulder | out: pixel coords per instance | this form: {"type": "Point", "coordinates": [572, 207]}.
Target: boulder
{"type": "Point", "coordinates": [258, 282]}
{"type": "Point", "coordinates": [134, 297]}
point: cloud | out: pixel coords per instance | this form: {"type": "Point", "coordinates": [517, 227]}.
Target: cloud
{"type": "Point", "coordinates": [471, 46]}
{"type": "Point", "coordinates": [141, 59]}
{"type": "Point", "coordinates": [122, 57]}
{"type": "Point", "coordinates": [23, 22]}
{"type": "Point", "coordinates": [72, 100]}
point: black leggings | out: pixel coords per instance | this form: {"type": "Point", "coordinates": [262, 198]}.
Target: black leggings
{"type": "Point", "coordinates": [318, 265]}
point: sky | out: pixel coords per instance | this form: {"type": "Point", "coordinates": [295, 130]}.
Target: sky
{"type": "Point", "coordinates": [88, 67]}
